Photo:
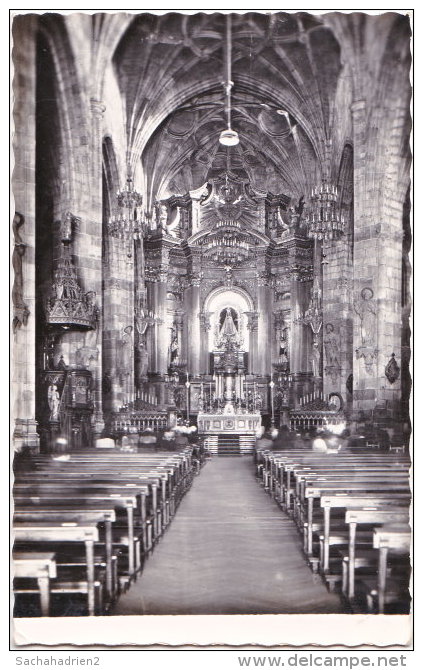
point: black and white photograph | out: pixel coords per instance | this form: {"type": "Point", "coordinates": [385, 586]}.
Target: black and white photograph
{"type": "Point", "coordinates": [211, 362]}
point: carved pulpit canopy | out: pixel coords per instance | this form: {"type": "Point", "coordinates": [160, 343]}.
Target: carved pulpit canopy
{"type": "Point", "coordinates": [68, 306]}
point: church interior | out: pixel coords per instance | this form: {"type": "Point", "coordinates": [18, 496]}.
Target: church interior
{"type": "Point", "coordinates": [211, 312]}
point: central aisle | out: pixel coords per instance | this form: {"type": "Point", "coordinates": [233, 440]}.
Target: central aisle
{"type": "Point", "coordinates": [229, 550]}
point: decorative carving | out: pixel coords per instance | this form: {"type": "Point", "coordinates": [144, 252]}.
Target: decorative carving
{"type": "Point", "coordinates": [392, 370]}
{"type": "Point", "coordinates": [205, 320]}
{"type": "Point", "coordinates": [369, 354]}
{"type": "Point", "coordinates": [114, 283]}
{"type": "Point", "coordinates": [331, 347]}
{"type": "Point", "coordinates": [252, 323]}
{"type": "Point", "coordinates": [125, 351]}
{"type": "Point", "coordinates": [85, 356]}
{"type": "Point", "coordinates": [20, 308]}
{"type": "Point", "coordinates": [336, 402]}
{"type": "Point", "coordinates": [53, 398]}
{"type": "Point", "coordinates": [69, 221]}
{"type": "Point", "coordinates": [295, 216]}
{"type": "Point", "coordinates": [343, 283]}
{"type": "Point", "coordinates": [300, 273]}
{"type": "Point", "coordinates": [67, 304]}
{"type": "Point", "coordinates": [366, 310]}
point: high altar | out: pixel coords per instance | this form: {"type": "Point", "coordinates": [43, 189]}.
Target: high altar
{"type": "Point", "coordinates": [233, 407]}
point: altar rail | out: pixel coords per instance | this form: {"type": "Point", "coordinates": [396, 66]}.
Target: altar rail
{"type": "Point", "coordinates": [304, 419]}
{"type": "Point", "coordinates": [135, 422]}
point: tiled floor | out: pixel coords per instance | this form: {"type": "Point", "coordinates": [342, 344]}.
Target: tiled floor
{"type": "Point", "coordinates": [229, 550]}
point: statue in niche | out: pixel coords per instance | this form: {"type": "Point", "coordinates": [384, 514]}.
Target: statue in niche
{"type": "Point", "coordinates": [61, 364]}
{"type": "Point", "coordinates": [228, 322]}
{"type": "Point", "coordinates": [174, 346]}
{"type": "Point", "coordinates": [295, 216]}
{"type": "Point", "coordinates": [258, 400]}
{"type": "Point", "coordinates": [161, 215]}
{"type": "Point", "coordinates": [20, 309]}
{"type": "Point", "coordinates": [143, 359]}
{"type": "Point", "coordinates": [53, 399]}
{"type": "Point", "coordinates": [179, 397]}
{"type": "Point", "coordinates": [331, 344]}
{"type": "Point", "coordinates": [283, 348]}
{"type": "Point", "coordinates": [366, 310]}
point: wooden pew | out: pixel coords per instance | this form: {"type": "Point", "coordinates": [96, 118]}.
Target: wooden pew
{"type": "Point", "coordinates": [360, 478]}
{"type": "Point", "coordinates": [145, 486]}
{"type": "Point", "coordinates": [373, 515]}
{"type": "Point", "coordinates": [374, 495]}
{"type": "Point", "coordinates": [88, 480]}
{"type": "Point", "coordinates": [36, 565]}
{"type": "Point", "coordinates": [386, 539]}
{"type": "Point", "coordinates": [124, 501]}
{"type": "Point", "coordinates": [26, 513]}
{"type": "Point", "coordinates": [289, 469]}
{"type": "Point", "coordinates": [33, 532]}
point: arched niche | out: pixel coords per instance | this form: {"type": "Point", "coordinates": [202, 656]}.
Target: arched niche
{"type": "Point", "coordinates": [239, 302]}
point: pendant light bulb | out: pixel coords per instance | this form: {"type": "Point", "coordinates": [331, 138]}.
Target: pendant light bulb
{"type": "Point", "coordinates": [229, 138]}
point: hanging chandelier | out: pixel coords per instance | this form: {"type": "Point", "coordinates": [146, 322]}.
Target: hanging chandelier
{"type": "Point", "coordinates": [324, 221]}
{"type": "Point", "coordinates": [128, 225]}
{"type": "Point", "coordinates": [228, 137]}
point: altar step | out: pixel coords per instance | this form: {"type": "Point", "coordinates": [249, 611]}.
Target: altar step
{"type": "Point", "coordinates": [230, 445]}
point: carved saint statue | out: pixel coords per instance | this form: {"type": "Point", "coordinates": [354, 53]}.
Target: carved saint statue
{"type": "Point", "coordinates": [174, 347]}
{"type": "Point", "coordinates": [53, 398]}
{"type": "Point", "coordinates": [229, 328]}
{"type": "Point", "coordinates": [331, 346]}
{"type": "Point", "coordinates": [366, 310]}
{"type": "Point", "coordinates": [142, 359]}
{"type": "Point", "coordinates": [125, 353]}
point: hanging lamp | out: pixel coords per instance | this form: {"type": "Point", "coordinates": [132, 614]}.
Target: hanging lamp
{"type": "Point", "coordinates": [228, 137]}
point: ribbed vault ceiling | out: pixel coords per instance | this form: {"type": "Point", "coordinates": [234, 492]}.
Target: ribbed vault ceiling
{"type": "Point", "coordinates": [170, 72]}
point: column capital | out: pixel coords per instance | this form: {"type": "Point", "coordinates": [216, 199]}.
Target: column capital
{"type": "Point", "coordinates": [252, 323]}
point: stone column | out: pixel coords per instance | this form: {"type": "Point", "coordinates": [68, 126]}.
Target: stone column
{"type": "Point", "coordinates": [252, 326]}
{"type": "Point", "coordinates": [178, 321]}
{"type": "Point", "coordinates": [301, 338]}
{"type": "Point", "coordinates": [377, 266]}
{"type": "Point", "coordinates": [264, 307]}
{"type": "Point", "coordinates": [205, 326]}
{"type": "Point", "coordinates": [158, 334]}
{"type": "Point", "coordinates": [87, 245]}
{"type": "Point", "coordinates": [192, 302]}
{"type": "Point", "coordinates": [23, 388]}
